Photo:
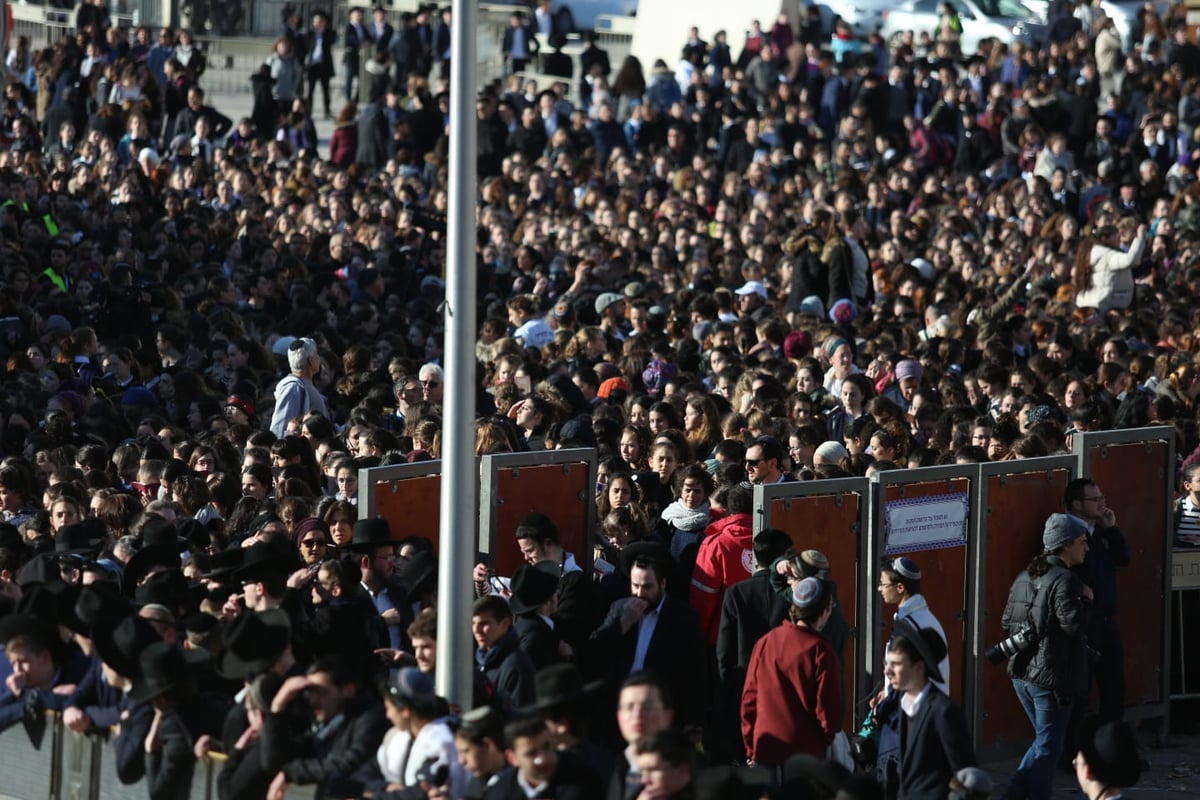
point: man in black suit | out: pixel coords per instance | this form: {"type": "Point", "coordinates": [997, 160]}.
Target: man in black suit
{"type": "Point", "coordinates": [381, 31]}
{"type": "Point", "coordinates": [935, 741]}
{"type": "Point", "coordinates": [520, 43]}
{"type": "Point", "coordinates": [749, 610]}
{"type": "Point", "coordinates": [538, 770]}
{"type": "Point", "coordinates": [356, 37]}
{"type": "Point", "coordinates": [319, 64]}
{"type": "Point", "coordinates": [649, 630]}
{"type": "Point", "coordinates": [533, 603]}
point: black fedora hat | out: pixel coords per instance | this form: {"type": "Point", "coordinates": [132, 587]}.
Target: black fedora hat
{"type": "Point", "coordinates": [36, 615]}
{"type": "Point", "coordinates": [66, 595]}
{"type": "Point", "coordinates": [418, 572]}
{"type": "Point", "coordinates": [160, 532]}
{"type": "Point", "coordinates": [223, 565]}
{"type": "Point", "coordinates": [559, 685]}
{"type": "Point", "coordinates": [119, 645]}
{"type": "Point", "coordinates": [164, 669]}
{"type": "Point", "coordinates": [533, 586]}
{"type": "Point", "coordinates": [929, 645]}
{"type": "Point", "coordinates": [369, 534]}
{"type": "Point", "coordinates": [253, 643]}
{"type": "Point", "coordinates": [42, 569]}
{"type": "Point", "coordinates": [73, 539]}
{"type": "Point", "coordinates": [99, 605]}
{"type": "Point", "coordinates": [1111, 751]}
{"type": "Point", "coordinates": [265, 559]}
{"type": "Point", "coordinates": [146, 559]}
{"type": "Point", "coordinates": [166, 588]}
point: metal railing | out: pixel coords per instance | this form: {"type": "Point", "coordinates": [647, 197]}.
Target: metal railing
{"type": "Point", "coordinates": [76, 766]}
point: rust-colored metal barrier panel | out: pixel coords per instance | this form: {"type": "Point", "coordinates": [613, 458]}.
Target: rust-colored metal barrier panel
{"type": "Point", "coordinates": [1016, 508]}
{"type": "Point", "coordinates": [1133, 478]}
{"type": "Point", "coordinates": [412, 507]}
{"type": "Point", "coordinates": [563, 492]}
{"type": "Point", "coordinates": [943, 579]}
{"type": "Point", "coordinates": [830, 523]}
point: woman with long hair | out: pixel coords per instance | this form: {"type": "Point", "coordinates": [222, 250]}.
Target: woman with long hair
{"type": "Point", "coordinates": [702, 425]}
{"type": "Point", "coordinates": [1103, 274]}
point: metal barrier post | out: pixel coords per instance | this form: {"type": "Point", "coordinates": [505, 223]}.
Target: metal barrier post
{"type": "Point", "coordinates": [54, 723]}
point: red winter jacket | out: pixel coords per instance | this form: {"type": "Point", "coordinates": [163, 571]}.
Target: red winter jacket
{"type": "Point", "coordinates": [792, 702]}
{"type": "Point", "coordinates": [726, 557]}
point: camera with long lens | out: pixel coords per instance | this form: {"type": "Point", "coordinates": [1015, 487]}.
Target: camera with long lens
{"type": "Point", "coordinates": [1021, 640]}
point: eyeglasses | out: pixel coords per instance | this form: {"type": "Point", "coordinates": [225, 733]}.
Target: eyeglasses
{"type": "Point", "coordinates": [752, 462]}
{"type": "Point", "coordinates": [430, 384]}
{"type": "Point", "coordinates": [314, 543]}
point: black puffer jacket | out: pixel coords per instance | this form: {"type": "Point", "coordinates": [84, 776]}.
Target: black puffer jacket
{"type": "Point", "coordinates": [1056, 606]}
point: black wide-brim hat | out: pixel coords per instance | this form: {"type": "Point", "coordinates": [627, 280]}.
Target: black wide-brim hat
{"type": "Point", "coordinates": [928, 643]}
{"type": "Point", "coordinates": [266, 559]}
{"type": "Point", "coordinates": [164, 668]}
{"type": "Point", "coordinates": [559, 685]}
{"type": "Point", "coordinates": [533, 585]}
{"type": "Point", "coordinates": [120, 645]}
{"type": "Point", "coordinates": [369, 534]}
{"type": "Point", "coordinates": [144, 560]}
{"type": "Point", "coordinates": [253, 643]}
{"type": "Point", "coordinates": [420, 569]}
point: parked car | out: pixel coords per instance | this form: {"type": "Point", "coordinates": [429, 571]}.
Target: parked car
{"type": "Point", "coordinates": [864, 16]}
{"type": "Point", "coordinates": [584, 12]}
{"type": "Point", "coordinates": [1006, 20]}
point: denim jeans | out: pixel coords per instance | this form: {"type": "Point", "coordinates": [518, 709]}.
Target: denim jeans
{"type": "Point", "coordinates": [1034, 778]}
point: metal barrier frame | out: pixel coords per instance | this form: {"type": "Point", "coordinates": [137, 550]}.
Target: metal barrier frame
{"type": "Point", "coordinates": [1080, 444]}
{"type": "Point", "coordinates": [488, 498]}
{"type": "Point", "coordinates": [977, 568]}
{"type": "Point", "coordinates": [370, 477]}
{"type": "Point", "coordinates": [866, 612]}
{"type": "Point", "coordinates": [877, 513]}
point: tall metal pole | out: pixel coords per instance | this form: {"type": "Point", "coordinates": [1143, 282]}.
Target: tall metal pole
{"type": "Point", "coordinates": [460, 515]}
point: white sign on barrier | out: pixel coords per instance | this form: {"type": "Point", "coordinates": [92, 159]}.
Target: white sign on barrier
{"type": "Point", "coordinates": [926, 523]}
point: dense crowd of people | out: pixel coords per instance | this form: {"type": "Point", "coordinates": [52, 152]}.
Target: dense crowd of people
{"type": "Point", "coordinates": [794, 262]}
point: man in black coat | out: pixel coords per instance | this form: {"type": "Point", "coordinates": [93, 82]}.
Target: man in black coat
{"type": "Point", "coordinates": [185, 120]}
{"type": "Point", "coordinates": [356, 37]}
{"type": "Point", "coordinates": [519, 44]}
{"type": "Point", "coordinates": [935, 741]}
{"type": "Point", "coordinates": [650, 630]}
{"type": "Point", "coordinates": [348, 728]}
{"type": "Point", "coordinates": [508, 671]}
{"type": "Point", "coordinates": [750, 609]}
{"type": "Point", "coordinates": [530, 138]}
{"type": "Point", "coordinates": [381, 31]}
{"type": "Point", "coordinates": [319, 61]}
{"type": "Point", "coordinates": [533, 603]}
{"type": "Point", "coordinates": [373, 131]}
{"type": "Point", "coordinates": [1107, 552]}
{"type": "Point", "coordinates": [490, 150]}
